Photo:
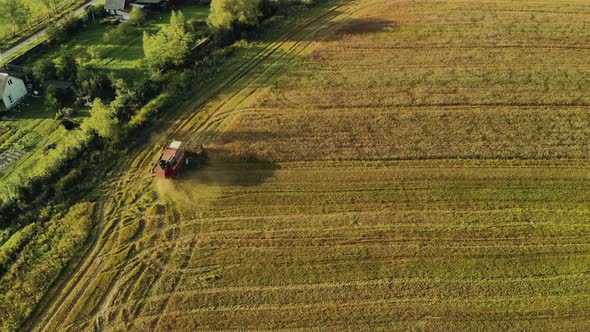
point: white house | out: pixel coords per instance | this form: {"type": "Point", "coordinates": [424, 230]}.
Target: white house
{"type": "Point", "coordinates": [12, 89]}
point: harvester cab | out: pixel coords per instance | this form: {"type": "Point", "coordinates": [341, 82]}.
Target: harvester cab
{"type": "Point", "coordinates": [171, 162]}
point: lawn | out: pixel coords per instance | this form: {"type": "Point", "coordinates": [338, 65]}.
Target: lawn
{"type": "Point", "coordinates": [122, 55]}
{"type": "Point", "coordinates": [384, 165]}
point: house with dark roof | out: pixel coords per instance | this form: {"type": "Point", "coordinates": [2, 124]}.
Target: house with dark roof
{"type": "Point", "coordinates": [12, 90]}
{"type": "Point", "coordinates": [118, 8]}
{"type": "Point", "coordinates": [122, 8]}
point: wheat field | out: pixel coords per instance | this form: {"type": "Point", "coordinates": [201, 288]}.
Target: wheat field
{"type": "Point", "coordinates": [383, 165]}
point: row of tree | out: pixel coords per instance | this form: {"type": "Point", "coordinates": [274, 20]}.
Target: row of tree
{"type": "Point", "coordinates": [19, 12]}
{"type": "Point", "coordinates": [230, 18]}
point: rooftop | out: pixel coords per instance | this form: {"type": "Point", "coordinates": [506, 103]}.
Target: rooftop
{"type": "Point", "coordinates": [114, 4]}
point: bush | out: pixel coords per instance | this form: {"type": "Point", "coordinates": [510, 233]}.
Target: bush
{"type": "Point", "coordinates": [95, 52]}
{"type": "Point", "coordinates": [14, 244]}
{"type": "Point", "coordinates": [194, 24]}
{"type": "Point", "coordinates": [9, 212]}
{"type": "Point", "coordinates": [309, 3]}
{"type": "Point", "coordinates": [67, 67]}
{"type": "Point", "coordinates": [72, 24]}
{"type": "Point", "coordinates": [102, 121]}
{"type": "Point", "coordinates": [56, 34]}
{"type": "Point", "coordinates": [67, 184]}
{"type": "Point", "coordinates": [227, 14]}
{"type": "Point", "coordinates": [170, 46]}
{"type": "Point", "coordinates": [92, 83]}
{"type": "Point", "coordinates": [269, 8]}
{"type": "Point", "coordinates": [137, 16]}
{"type": "Point", "coordinates": [179, 82]}
{"type": "Point", "coordinates": [109, 21]}
{"type": "Point", "coordinates": [65, 113]}
{"type": "Point", "coordinates": [118, 34]}
{"type": "Point", "coordinates": [143, 116]}
{"type": "Point", "coordinates": [44, 70]}
{"type": "Point", "coordinates": [52, 104]}
{"type": "Point", "coordinates": [59, 32]}
{"type": "Point", "coordinates": [98, 11]}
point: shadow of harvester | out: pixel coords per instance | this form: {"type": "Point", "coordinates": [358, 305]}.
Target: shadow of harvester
{"type": "Point", "coordinates": [362, 26]}
{"type": "Point", "coordinates": [202, 182]}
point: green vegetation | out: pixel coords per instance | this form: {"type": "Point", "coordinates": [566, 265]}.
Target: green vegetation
{"type": "Point", "coordinates": [60, 167]}
{"type": "Point", "coordinates": [44, 70]}
{"type": "Point", "coordinates": [102, 120]}
{"type": "Point", "coordinates": [21, 18]}
{"type": "Point", "coordinates": [118, 49]}
{"type": "Point", "coordinates": [17, 12]}
{"type": "Point", "coordinates": [170, 46]}
{"type": "Point", "coordinates": [39, 261]}
{"type": "Point", "coordinates": [137, 16]}
{"type": "Point", "coordinates": [226, 13]}
{"type": "Point", "coordinates": [33, 127]}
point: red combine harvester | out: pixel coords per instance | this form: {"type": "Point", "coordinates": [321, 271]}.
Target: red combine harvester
{"type": "Point", "coordinates": [171, 162]}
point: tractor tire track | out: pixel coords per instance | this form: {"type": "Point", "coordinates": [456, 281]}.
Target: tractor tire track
{"type": "Point", "coordinates": [63, 289]}
{"type": "Point", "coordinates": [183, 266]}
{"type": "Point", "coordinates": [303, 43]}
{"type": "Point", "coordinates": [242, 71]}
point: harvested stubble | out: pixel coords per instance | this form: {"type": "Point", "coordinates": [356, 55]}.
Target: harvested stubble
{"type": "Point", "coordinates": [423, 167]}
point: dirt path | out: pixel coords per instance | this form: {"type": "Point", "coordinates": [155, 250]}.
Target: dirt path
{"type": "Point", "coordinates": [202, 116]}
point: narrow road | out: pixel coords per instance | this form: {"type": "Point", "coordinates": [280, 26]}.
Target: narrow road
{"type": "Point", "coordinates": [5, 54]}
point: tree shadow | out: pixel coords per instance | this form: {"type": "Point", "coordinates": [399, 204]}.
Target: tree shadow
{"type": "Point", "coordinates": [28, 108]}
{"type": "Point", "coordinates": [363, 26]}
{"type": "Point", "coordinates": [355, 26]}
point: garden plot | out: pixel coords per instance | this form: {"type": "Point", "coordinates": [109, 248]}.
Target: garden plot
{"type": "Point", "coordinates": [10, 156]}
